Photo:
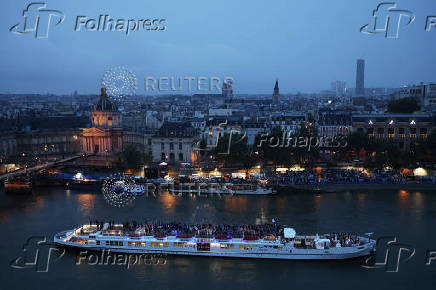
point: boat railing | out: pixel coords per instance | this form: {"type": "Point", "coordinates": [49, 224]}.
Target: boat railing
{"type": "Point", "coordinates": [204, 236]}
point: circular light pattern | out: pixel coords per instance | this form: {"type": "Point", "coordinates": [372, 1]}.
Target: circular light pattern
{"type": "Point", "coordinates": [119, 83]}
{"type": "Point", "coordinates": [118, 191]}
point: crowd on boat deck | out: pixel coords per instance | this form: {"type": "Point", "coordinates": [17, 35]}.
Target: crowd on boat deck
{"type": "Point", "coordinates": [345, 239]}
{"type": "Point", "coordinates": [206, 230]}
{"type": "Point", "coordinates": [220, 180]}
{"type": "Point", "coordinates": [340, 176]}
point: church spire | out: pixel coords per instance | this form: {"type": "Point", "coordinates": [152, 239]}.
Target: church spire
{"type": "Point", "coordinates": [276, 94]}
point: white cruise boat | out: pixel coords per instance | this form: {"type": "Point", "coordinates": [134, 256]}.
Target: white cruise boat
{"type": "Point", "coordinates": [266, 241]}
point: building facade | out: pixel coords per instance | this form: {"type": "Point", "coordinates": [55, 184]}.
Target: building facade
{"type": "Point", "coordinates": [175, 143]}
{"type": "Point", "coordinates": [402, 127]}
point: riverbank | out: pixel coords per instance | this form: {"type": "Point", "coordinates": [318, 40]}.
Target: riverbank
{"type": "Point", "coordinates": [362, 186]}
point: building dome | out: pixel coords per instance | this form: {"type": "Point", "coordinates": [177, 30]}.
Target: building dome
{"type": "Point", "coordinates": [104, 104]}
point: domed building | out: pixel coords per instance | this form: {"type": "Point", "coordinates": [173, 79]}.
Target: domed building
{"type": "Point", "coordinates": [105, 113]}
{"type": "Point", "coordinates": [105, 137]}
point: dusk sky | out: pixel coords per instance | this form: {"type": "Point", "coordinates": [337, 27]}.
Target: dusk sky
{"type": "Point", "coordinates": [304, 44]}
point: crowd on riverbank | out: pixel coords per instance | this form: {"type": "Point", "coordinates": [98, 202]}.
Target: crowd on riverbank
{"type": "Point", "coordinates": [345, 176]}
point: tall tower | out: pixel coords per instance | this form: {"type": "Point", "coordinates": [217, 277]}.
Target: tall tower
{"type": "Point", "coordinates": [360, 77]}
{"type": "Point", "coordinates": [227, 90]}
{"type": "Point", "coordinates": [276, 94]}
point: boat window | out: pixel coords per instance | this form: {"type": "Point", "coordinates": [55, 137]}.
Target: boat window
{"type": "Point", "coordinates": [135, 244]}
{"type": "Point", "coordinates": [246, 247]}
{"type": "Point", "coordinates": [159, 244]}
{"type": "Point", "coordinates": [180, 245]}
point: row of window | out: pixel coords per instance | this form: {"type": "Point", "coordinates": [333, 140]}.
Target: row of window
{"type": "Point", "coordinates": [400, 131]}
{"type": "Point", "coordinates": [180, 245]}
{"type": "Point", "coordinates": [162, 146]}
{"type": "Point", "coordinates": [247, 247]}
{"type": "Point", "coordinates": [112, 243]}
{"type": "Point", "coordinates": [176, 245]}
{"type": "Point", "coordinates": [159, 244]}
{"type": "Point", "coordinates": [172, 156]}
{"type": "Point", "coordinates": [136, 244]}
{"type": "Point", "coordinates": [101, 121]}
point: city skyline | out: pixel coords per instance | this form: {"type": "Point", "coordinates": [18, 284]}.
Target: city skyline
{"type": "Point", "coordinates": [253, 52]}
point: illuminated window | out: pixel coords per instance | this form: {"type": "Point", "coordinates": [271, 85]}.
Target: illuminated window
{"type": "Point", "coordinates": [159, 244]}
{"type": "Point", "coordinates": [246, 247]}
{"type": "Point", "coordinates": [391, 132]}
{"type": "Point", "coordinates": [180, 245]}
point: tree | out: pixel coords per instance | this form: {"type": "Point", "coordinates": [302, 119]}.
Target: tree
{"type": "Point", "coordinates": [358, 140]}
{"type": "Point", "coordinates": [232, 148]}
{"type": "Point", "coordinates": [130, 158]}
{"type": "Point", "coordinates": [273, 150]}
{"type": "Point", "coordinates": [404, 105]}
{"type": "Point", "coordinates": [426, 148]}
{"type": "Point", "coordinates": [306, 152]}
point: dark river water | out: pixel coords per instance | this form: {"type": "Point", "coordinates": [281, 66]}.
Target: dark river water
{"type": "Point", "coordinates": [410, 215]}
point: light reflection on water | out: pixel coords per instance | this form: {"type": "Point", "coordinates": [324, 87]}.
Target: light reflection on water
{"type": "Point", "coordinates": [168, 202]}
{"type": "Point", "coordinates": [86, 202]}
{"type": "Point", "coordinates": [409, 214]}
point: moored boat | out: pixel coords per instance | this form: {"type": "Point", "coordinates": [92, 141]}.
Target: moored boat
{"type": "Point", "coordinates": [221, 187]}
{"type": "Point", "coordinates": [20, 184]}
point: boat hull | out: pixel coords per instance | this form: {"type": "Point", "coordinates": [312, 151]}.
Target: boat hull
{"type": "Point", "coordinates": [286, 254]}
